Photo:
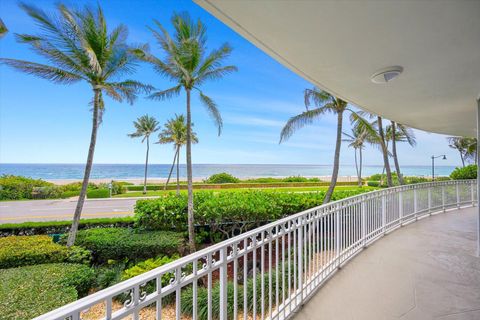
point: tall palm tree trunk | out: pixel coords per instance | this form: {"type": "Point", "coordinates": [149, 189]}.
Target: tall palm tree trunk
{"type": "Point", "coordinates": [461, 157]}
{"type": "Point", "coordinates": [171, 169]}
{"type": "Point", "coordinates": [359, 179]}
{"type": "Point", "coordinates": [191, 231]}
{"type": "Point", "coordinates": [336, 160]}
{"type": "Point", "coordinates": [178, 170]}
{"type": "Point", "coordinates": [88, 168]}
{"type": "Point", "coordinates": [394, 153]}
{"type": "Point", "coordinates": [146, 167]}
{"type": "Point", "coordinates": [360, 182]}
{"type": "Point", "coordinates": [384, 152]}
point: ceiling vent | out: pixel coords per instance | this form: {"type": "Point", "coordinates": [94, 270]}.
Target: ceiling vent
{"type": "Point", "coordinates": [387, 74]}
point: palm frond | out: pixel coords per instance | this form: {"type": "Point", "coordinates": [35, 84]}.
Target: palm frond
{"type": "Point", "coordinates": [212, 110]}
{"type": "Point", "coordinates": [53, 74]}
{"type": "Point", "coordinates": [215, 74]}
{"type": "Point", "coordinates": [316, 97]}
{"type": "Point", "coordinates": [166, 94]}
{"type": "Point", "coordinates": [299, 121]}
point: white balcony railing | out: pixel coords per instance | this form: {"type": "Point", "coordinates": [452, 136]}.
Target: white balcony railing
{"type": "Point", "coordinates": [269, 272]}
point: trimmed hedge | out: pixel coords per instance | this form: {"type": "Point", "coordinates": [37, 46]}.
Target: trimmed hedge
{"type": "Point", "coordinates": [278, 184]}
{"type": "Point", "coordinates": [56, 227]}
{"type": "Point", "coordinates": [468, 172]}
{"type": "Point", "coordinates": [98, 193]}
{"type": "Point", "coordinates": [30, 291]}
{"type": "Point", "coordinates": [16, 251]}
{"type": "Point", "coordinates": [124, 243]}
{"type": "Point", "coordinates": [215, 209]}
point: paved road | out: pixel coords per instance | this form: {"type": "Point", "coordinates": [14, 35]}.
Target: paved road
{"type": "Point", "coordinates": [45, 210]}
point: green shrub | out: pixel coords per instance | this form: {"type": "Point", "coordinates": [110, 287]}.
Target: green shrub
{"type": "Point", "coordinates": [78, 255]}
{"type": "Point", "coordinates": [228, 211]}
{"type": "Point", "coordinates": [98, 193]}
{"type": "Point", "coordinates": [222, 178]}
{"type": "Point", "coordinates": [468, 172]}
{"type": "Point", "coordinates": [148, 265]}
{"type": "Point", "coordinates": [56, 227]}
{"type": "Point", "coordinates": [30, 291]}
{"type": "Point", "coordinates": [18, 187]}
{"type": "Point", "coordinates": [69, 194]}
{"type": "Point", "coordinates": [124, 243]}
{"type": "Point", "coordinates": [18, 251]}
{"type": "Point", "coordinates": [108, 276]}
{"type": "Point", "coordinates": [373, 183]}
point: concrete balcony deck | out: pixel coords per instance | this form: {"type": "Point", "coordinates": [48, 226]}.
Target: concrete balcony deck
{"type": "Point", "coordinates": [425, 270]}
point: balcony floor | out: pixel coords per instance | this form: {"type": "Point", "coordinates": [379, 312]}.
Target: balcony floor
{"type": "Point", "coordinates": [425, 270]}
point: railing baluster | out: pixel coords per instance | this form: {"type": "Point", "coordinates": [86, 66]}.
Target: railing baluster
{"type": "Point", "coordinates": [245, 278]}
{"type": "Point", "coordinates": [443, 198]}
{"type": "Point", "coordinates": [300, 260]}
{"type": "Point", "coordinates": [223, 280]}
{"type": "Point", "coordinates": [458, 195]}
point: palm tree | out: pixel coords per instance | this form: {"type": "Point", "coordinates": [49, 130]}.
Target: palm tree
{"type": "Point", "coordinates": [145, 126]}
{"type": "Point", "coordinates": [379, 138]}
{"type": "Point", "coordinates": [324, 103]}
{"type": "Point", "coordinates": [79, 48]}
{"type": "Point", "coordinates": [187, 63]}
{"type": "Point", "coordinates": [357, 141]}
{"type": "Point", "coordinates": [397, 132]}
{"type": "Point", "coordinates": [176, 132]}
{"type": "Point", "coordinates": [466, 147]}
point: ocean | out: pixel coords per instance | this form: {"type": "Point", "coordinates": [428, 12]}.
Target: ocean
{"type": "Point", "coordinates": [135, 171]}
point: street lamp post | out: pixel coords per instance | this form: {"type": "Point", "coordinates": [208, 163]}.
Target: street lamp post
{"type": "Point", "coordinates": [444, 157]}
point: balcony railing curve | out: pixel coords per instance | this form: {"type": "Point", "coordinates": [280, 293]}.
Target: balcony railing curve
{"type": "Point", "coordinates": [269, 272]}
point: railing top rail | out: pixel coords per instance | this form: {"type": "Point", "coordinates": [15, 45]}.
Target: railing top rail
{"type": "Point", "coordinates": [325, 209]}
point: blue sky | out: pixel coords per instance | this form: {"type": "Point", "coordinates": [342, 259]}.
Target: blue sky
{"type": "Point", "coordinates": [41, 122]}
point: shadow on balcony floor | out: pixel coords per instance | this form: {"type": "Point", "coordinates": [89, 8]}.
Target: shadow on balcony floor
{"type": "Point", "coordinates": [426, 270]}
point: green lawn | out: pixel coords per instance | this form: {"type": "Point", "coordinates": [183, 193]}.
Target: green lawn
{"type": "Point", "coordinates": [287, 189]}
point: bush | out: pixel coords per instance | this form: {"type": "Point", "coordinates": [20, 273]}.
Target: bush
{"type": "Point", "coordinates": [56, 227]}
{"type": "Point", "coordinates": [373, 183]}
{"type": "Point", "coordinates": [30, 291]}
{"type": "Point", "coordinates": [468, 172]}
{"type": "Point", "coordinates": [228, 211]}
{"type": "Point", "coordinates": [18, 187]}
{"type": "Point", "coordinates": [16, 251]}
{"type": "Point", "coordinates": [221, 178]}
{"type": "Point", "coordinates": [123, 243]}
{"type": "Point", "coordinates": [98, 193]}
{"type": "Point", "coordinates": [148, 265]}
{"type": "Point", "coordinates": [69, 194]}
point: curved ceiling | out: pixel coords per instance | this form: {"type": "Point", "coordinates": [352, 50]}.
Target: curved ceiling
{"type": "Point", "coordinates": [339, 45]}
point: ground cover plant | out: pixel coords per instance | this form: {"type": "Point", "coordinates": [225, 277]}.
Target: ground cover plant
{"type": "Point", "coordinates": [30, 291]}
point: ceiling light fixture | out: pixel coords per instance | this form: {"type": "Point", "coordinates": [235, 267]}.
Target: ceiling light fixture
{"type": "Point", "coordinates": [387, 74]}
